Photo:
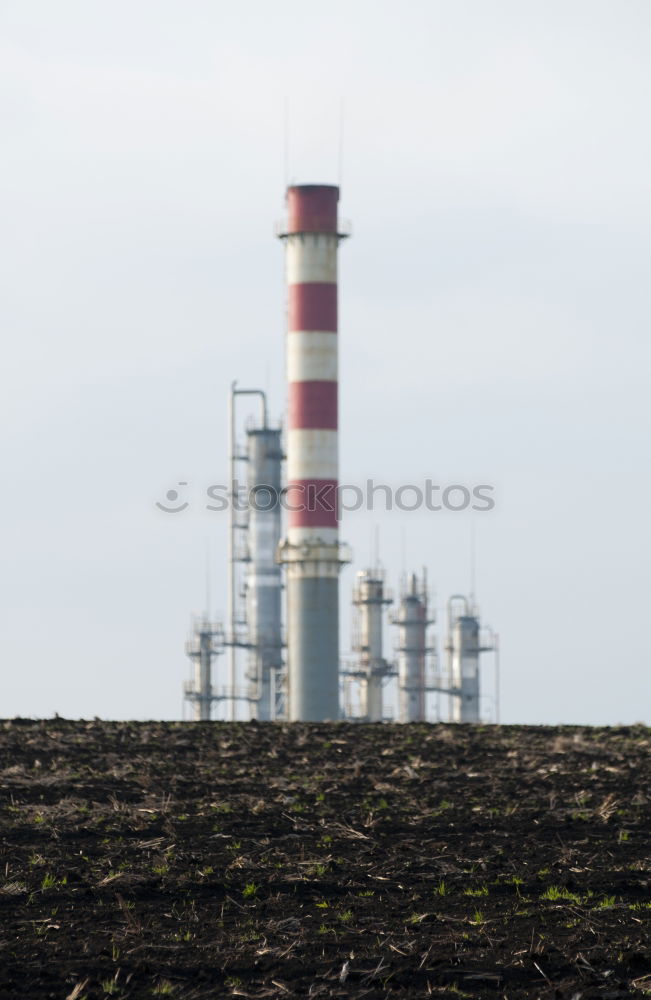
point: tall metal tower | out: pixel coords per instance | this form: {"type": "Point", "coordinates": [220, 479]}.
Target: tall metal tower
{"type": "Point", "coordinates": [263, 584]}
{"type": "Point", "coordinates": [412, 621]}
{"type": "Point", "coordinates": [370, 599]}
{"type": "Point", "coordinates": [206, 643]}
{"type": "Point", "coordinates": [465, 642]}
{"type": "Point", "coordinates": [311, 550]}
{"type": "Point", "coordinates": [254, 579]}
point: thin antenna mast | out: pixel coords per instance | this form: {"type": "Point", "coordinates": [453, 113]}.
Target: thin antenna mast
{"type": "Point", "coordinates": [286, 142]}
{"type": "Point", "coordinates": [208, 598]}
{"type": "Point", "coordinates": [340, 155]}
{"type": "Point", "coordinates": [473, 561]}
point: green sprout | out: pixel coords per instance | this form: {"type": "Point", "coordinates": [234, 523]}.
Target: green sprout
{"type": "Point", "coordinates": [163, 989]}
{"type": "Point", "coordinates": [482, 891]}
{"type": "Point", "coordinates": [556, 893]}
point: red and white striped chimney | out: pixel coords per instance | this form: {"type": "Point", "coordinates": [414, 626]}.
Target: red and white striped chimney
{"type": "Point", "coordinates": [311, 550]}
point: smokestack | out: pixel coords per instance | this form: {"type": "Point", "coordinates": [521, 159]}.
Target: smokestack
{"type": "Point", "coordinates": [311, 549]}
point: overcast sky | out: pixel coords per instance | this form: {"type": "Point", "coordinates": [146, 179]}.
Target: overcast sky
{"type": "Point", "coordinates": [494, 320]}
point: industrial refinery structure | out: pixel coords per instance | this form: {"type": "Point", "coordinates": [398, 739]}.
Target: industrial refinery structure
{"type": "Point", "coordinates": [278, 659]}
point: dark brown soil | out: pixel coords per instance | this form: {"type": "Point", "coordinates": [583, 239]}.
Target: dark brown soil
{"type": "Point", "coordinates": [214, 859]}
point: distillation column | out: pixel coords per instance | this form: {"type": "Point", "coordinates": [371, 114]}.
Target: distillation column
{"type": "Point", "coordinates": [411, 619]}
{"type": "Point", "coordinates": [311, 550]}
{"type": "Point", "coordinates": [207, 642]}
{"type": "Point", "coordinates": [463, 648]}
{"type": "Point", "coordinates": [369, 598]}
{"type": "Point", "coordinates": [263, 578]}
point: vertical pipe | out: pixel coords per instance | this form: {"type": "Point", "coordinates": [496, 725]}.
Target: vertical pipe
{"type": "Point", "coordinates": [496, 649]}
{"type": "Point", "coordinates": [197, 706]}
{"type": "Point", "coordinates": [205, 665]}
{"type": "Point", "coordinates": [231, 550]}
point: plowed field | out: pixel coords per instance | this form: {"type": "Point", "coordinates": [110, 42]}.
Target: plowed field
{"type": "Point", "coordinates": [271, 860]}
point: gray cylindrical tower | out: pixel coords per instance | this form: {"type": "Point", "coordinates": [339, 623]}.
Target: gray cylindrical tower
{"type": "Point", "coordinates": [206, 643]}
{"type": "Point", "coordinates": [411, 619]}
{"type": "Point", "coordinates": [369, 599]}
{"type": "Point", "coordinates": [311, 550]}
{"type": "Point", "coordinates": [463, 647]}
{"type": "Point", "coordinates": [263, 577]}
